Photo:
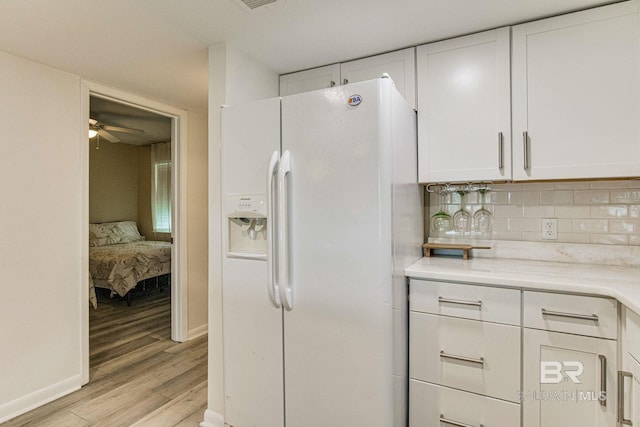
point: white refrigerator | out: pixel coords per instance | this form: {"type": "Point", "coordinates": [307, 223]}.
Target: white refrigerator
{"type": "Point", "coordinates": [323, 213]}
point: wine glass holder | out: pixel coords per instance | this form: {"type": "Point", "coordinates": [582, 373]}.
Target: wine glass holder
{"type": "Point", "coordinates": [444, 190]}
{"type": "Point", "coordinates": [469, 187]}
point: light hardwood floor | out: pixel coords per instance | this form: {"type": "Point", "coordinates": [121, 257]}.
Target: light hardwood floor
{"type": "Point", "coordinates": [138, 376]}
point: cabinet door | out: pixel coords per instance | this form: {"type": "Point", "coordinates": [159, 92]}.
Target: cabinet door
{"type": "Point", "coordinates": [308, 80]}
{"type": "Point", "coordinates": [479, 357]}
{"type": "Point", "coordinates": [431, 405]}
{"type": "Point", "coordinates": [576, 95]}
{"type": "Point", "coordinates": [400, 66]}
{"type": "Point", "coordinates": [564, 376]}
{"type": "Point", "coordinates": [464, 109]}
{"type": "Point", "coordinates": [629, 387]}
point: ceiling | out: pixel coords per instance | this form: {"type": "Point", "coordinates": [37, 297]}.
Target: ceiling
{"type": "Point", "coordinates": [158, 48]}
{"type": "Point", "coordinates": [156, 128]}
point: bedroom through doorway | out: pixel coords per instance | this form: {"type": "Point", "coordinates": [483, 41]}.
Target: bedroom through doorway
{"type": "Point", "coordinates": [133, 218]}
{"type": "Point", "coordinates": [130, 227]}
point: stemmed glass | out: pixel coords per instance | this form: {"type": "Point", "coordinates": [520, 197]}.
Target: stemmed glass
{"type": "Point", "coordinates": [482, 219]}
{"type": "Point", "coordinates": [441, 221]}
{"type": "Point", "coordinates": [462, 218]}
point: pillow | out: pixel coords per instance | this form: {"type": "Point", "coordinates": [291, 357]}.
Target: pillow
{"type": "Point", "coordinates": [112, 233]}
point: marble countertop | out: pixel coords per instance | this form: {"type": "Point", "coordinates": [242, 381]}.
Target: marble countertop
{"type": "Point", "coordinates": [621, 283]}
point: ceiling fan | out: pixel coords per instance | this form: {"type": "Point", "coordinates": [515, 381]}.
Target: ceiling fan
{"type": "Point", "coordinates": [105, 130]}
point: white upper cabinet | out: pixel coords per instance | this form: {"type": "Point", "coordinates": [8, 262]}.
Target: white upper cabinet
{"type": "Point", "coordinates": [400, 65]}
{"type": "Point", "coordinates": [308, 80]}
{"type": "Point", "coordinates": [464, 108]}
{"type": "Point", "coordinates": [576, 95]}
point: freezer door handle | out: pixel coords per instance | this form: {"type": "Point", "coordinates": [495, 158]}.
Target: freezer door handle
{"type": "Point", "coordinates": [284, 279]}
{"type": "Point", "coordinates": [272, 209]}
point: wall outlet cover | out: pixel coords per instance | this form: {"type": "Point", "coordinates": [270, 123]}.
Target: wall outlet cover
{"type": "Point", "coordinates": [549, 228]}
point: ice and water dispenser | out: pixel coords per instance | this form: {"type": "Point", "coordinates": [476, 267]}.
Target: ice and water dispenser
{"type": "Point", "coordinates": [247, 226]}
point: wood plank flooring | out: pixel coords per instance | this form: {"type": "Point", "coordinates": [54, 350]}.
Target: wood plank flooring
{"type": "Point", "coordinates": [138, 376]}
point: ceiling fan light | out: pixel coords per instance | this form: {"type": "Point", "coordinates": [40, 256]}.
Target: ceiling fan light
{"type": "Point", "coordinates": [92, 133]}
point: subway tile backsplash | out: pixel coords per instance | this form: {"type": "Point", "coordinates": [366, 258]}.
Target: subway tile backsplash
{"type": "Point", "coordinates": [600, 212]}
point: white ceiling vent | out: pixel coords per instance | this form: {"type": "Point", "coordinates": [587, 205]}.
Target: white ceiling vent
{"type": "Point", "coordinates": [252, 5]}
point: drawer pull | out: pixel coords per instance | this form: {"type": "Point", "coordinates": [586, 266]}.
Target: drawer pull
{"type": "Point", "coordinates": [454, 423]}
{"type": "Point", "coordinates": [459, 301]}
{"type": "Point", "coordinates": [525, 148]}
{"type": "Point", "coordinates": [603, 380]}
{"type": "Point", "coordinates": [463, 358]}
{"type": "Point", "coordinates": [592, 317]}
{"type": "Point", "coordinates": [500, 151]}
{"type": "Point", "coordinates": [621, 377]}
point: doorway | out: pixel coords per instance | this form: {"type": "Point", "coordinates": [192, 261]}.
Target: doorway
{"type": "Point", "coordinates": [121, 119]}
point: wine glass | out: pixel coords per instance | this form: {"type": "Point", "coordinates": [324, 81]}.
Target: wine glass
{"type": "Point", "coordinates": [462, 218]}
{"type": "Point", "coordinates": [441, 221]}
{"type": "Point", "coordinates": [482, 219]}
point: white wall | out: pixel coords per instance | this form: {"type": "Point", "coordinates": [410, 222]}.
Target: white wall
{"type": "Point", "coordinates": [40, 253]}
{"type": "Point", "coordinates": [197, 223]}
{"type": "Point", "coordinates": [41, 250]}
{"type": "Point", "coordinates": [234, 77]}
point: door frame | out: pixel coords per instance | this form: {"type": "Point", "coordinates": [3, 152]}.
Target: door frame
{"type": "Point", "coordinates": [179, 126]}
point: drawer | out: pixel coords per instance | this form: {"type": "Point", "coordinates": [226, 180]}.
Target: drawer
{"type": "Point", "coordinates": [430, 405]}
{"type": "Point", "coordinates": [467, 301]}
{"type": "Point", "coordinates": [474, 356]}
{"type": "Point", "coordinates": [631, 339]}
{"type": "Point", "coordinates": [590, 316]}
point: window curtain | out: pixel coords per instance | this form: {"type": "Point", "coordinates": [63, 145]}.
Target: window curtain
{"type": "Point", "coordinates": [161, 187]}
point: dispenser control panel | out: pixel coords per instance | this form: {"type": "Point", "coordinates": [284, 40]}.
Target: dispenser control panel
{"type": "Point", "coordinates": [247, 205]}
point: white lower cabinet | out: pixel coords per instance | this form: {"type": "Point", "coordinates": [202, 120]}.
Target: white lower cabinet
{"type": "Point", "coordinates": [558, 367]}
{"type": "Point", "coordinates": [629, 392]}
{"type": "Point", "coordinates": [629, 376]}
{"type": "Point", "coordinates": [568, 380]}
{"type": "Point", "coordinates": [432, 405]}
{"type": "Point", "coordinates": [464, 355]}
{"type": "Point", "coordinates": [570, 361]}
{"type": "Point", "coordinates": [480, 357]}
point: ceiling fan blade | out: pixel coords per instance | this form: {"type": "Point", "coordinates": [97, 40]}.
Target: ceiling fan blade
{"type": "Point", "coordinates": [106, 135]}
{"type": "Point", "coordinates": [121, 129]}
{"type": "Point", "coordinates": [93, 122]}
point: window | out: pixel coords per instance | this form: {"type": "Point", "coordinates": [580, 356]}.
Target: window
{"type": "Point", "coordinates": [161, 187]}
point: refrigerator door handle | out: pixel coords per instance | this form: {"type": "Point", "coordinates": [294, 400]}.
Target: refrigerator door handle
{"type": "Point", "coordinates": [284, 281]}
{"type": "Point", "coordinates": [272, 215]}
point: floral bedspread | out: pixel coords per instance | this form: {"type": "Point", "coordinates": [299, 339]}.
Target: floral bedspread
{"type": "Point", "coordinates": [123, 265]}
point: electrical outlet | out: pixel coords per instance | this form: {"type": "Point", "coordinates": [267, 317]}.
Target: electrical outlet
{"type": "Point", "coordinates": [549, 228]}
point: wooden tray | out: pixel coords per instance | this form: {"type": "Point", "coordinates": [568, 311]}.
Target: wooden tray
{"type": "Point", "coordinates": [464, 248]}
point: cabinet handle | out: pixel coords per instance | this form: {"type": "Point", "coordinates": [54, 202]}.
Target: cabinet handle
{"type": "Point", "coordinates": [333, 83]}
{"type": "Point", "coordinates": [592, 317]}
{"type": "Point", "coordinates": [444, 355]}
{"type": "Point", "coordinates": [621, 377]}
{"type": "Point", "coordinates": [459, 301]}
{"type": "Point", "coordinates": [454, 423]}
{"type": "Point", "coordinates": [500, 151]}
{"type": "Point", "coordinates": [525, 147]}
{"type": "Point", "coordinates": [345, 81]}
{"type": "Point", "coordinates": [603, 380]}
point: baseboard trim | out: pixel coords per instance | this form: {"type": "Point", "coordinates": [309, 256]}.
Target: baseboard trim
{"type": "Point", "coordinates": [197, 332]}
{"type": "Point", "coordinates": [38, 398]}
{"type": "Point", "coordinates": [212, 419]}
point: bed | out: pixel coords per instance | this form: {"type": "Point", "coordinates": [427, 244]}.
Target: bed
{"type": "Point", "coordinates": [119, 258]}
